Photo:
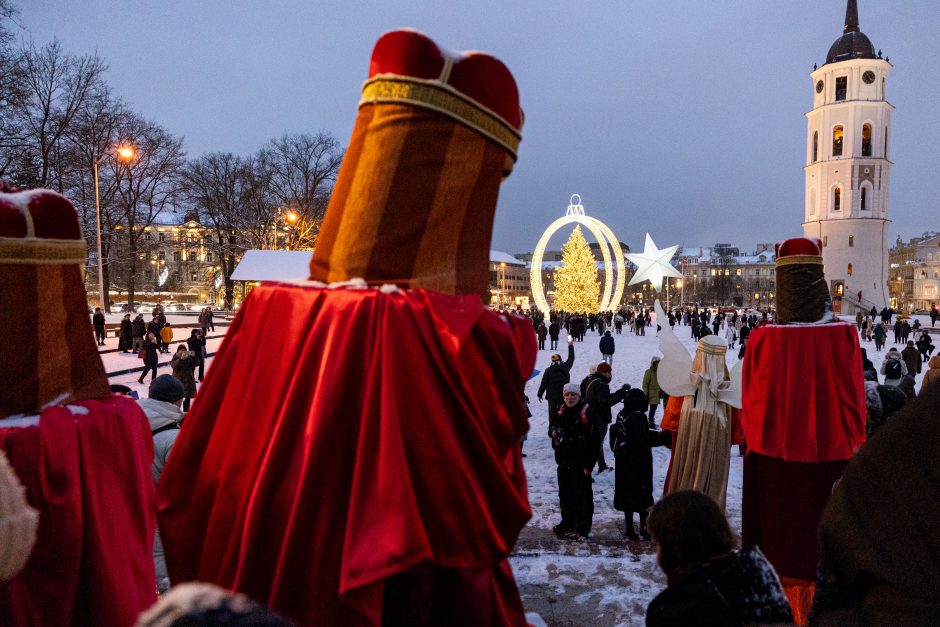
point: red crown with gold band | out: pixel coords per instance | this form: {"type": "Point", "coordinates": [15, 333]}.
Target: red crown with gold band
{"type": "Point", "coordinates": [52, 357]}
{"type": "Point", "coordinates": [799, 250]}
{"type": "Point", "coordinates": [473, 88]}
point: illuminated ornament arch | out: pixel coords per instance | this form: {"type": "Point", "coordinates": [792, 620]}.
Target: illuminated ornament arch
{"type": "Point", "coordinates": [605, 238]}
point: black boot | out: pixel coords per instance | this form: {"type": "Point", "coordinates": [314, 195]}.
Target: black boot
{"type": "Point", "coordinates": [629, 529]}
{"type": "Point", "coordinates": [643, 530]}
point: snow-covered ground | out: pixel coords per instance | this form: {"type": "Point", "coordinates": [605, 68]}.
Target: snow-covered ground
{"type": "Point", "coordinates": [604, 581]}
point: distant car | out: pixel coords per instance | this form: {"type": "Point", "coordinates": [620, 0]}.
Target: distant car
{"type": "Point", "coordinates": [173, 306]}
{"type": "Point", "coordinates": [146, 308]}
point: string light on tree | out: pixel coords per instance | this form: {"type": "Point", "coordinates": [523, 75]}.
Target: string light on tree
{"type": "Point", "coordinates": [576, 286]}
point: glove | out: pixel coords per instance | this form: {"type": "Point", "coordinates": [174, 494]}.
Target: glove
{"type": "Point", "coordinates": [540, 398]}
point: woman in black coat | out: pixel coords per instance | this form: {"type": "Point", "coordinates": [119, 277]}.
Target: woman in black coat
{"type": "Point", "coordinates": [631, 441]}
{"type": "Point", "coordinates": [126, 336]}
{"type": "Point", "coordinates": [151, 359]}
{"type": "Point", "coordinates": [197, 344]}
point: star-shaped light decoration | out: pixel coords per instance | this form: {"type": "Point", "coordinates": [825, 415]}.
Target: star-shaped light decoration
{"type": "Point", "coordinates": [653, 264]}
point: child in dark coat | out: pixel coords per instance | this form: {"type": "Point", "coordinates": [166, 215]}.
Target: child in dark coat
{"type": "Point", "coordinates": [631, 441]}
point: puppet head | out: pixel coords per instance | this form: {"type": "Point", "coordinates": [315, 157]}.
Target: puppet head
{"type": "Point", "coordinates": [416, 194]}
{"type": "Point", "coordinates": [52, 357]}
{"type": "Point", "coordinates": [802, 295]}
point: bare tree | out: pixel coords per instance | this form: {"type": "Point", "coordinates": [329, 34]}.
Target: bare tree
{"type": "Point", "coordinates": [220, 187]}
{"type": "Point", "coordinates": [57, 85]}
{"type": "Point", "coordinates": [13, 93]}
{"type": "Point", "coordinates": [302, 170]}
{"type": "Point", "coordinates": [146, 186]}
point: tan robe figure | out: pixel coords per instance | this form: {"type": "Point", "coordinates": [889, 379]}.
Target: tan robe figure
{"type": "Point", "coordinates": [702, 454]}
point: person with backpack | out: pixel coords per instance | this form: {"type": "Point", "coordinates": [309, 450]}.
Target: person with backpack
{"type": "Point", "coordinates": [162, 408]}
{"type": "Point", "coordinates": [893, 367]}
{"type": "Point", "coordinates": [575, 440]}
{"type": "Point", "coordinates": [600, 400]}
{"type": "Point", "coordinates": [631, 441]}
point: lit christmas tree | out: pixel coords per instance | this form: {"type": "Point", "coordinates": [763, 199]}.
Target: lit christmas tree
{"type": "Point", "coordinates": [576, 286]}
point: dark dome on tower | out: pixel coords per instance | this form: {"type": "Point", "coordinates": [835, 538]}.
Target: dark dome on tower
{"type": "Point", "coordinates": [853, 44]}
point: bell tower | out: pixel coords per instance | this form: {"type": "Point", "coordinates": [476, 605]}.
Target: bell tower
{"type": "Point", "coordinates": [848, 170]}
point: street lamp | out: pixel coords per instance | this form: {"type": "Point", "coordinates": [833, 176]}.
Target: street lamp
{"type": "Point", "coordinates": [681, 287]}
{"type": "Point", "coordinates": [125, 153]}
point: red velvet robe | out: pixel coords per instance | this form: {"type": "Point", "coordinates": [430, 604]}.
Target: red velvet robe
{"type": "Point", "coordinates": [347, 438]}
{"type": "Point", "coordinates": [88, 475]}
{"type": "Point", "coordinates": [804, 418]}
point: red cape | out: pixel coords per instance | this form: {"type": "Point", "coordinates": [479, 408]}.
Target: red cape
{"type": "Point", "coordinates": [89, 477]}
{"type": "Point", "coordinates": [345, 436]}
{"type": "Point", "coordinates": [804, 394]}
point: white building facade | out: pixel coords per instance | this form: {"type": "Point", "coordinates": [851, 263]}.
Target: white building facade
{"type": "Point", "coordinates": [848, 171]}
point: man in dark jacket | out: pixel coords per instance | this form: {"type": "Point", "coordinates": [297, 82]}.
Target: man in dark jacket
{"type": "Point", "coordinates": [139, 330]}
{"type": "Point", "coordinates": [600, 400]}
{"type": "Point", "coordinates": [911, 357]}
{"type": "Point", "coordinates": [607, 347]}
{"type": "Point", "coordinates": [575, 441]}
{"type": "Point", "coordinates": [97, 321]}
{"type": "Point", "coordinates": [553, 335]}
{"type": "Point", "coordinates": [553, 383]}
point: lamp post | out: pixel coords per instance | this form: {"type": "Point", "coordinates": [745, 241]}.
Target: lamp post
{"type": "Point", "coordinates": [126, 153]}
{"type": "Point", "coordinates": [681, 285]}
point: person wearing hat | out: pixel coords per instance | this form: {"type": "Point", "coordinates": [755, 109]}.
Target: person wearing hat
{"type": "Point", "coordinates": [651, 389]}
{"type": "Point", "coordinates": [395, 294]}
{"type": "Point", "coordinates": [803, 421]}
{"type": "Point", "coordinates": [575, 440]}
{"type": "Point", "coordinates": [553, 382]}
{"type": "Point", "coordinates": [162, 408]}
{"type": "Point", "coordinates": [126, 334]}
{"type": "Point", "coordinates": [600, 400]}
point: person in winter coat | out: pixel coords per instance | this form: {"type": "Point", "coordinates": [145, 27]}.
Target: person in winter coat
{"type": "Point", "coordinates": [651, 390]}
{"type": "Point", "coordinates": [575, 441]}
{"type": "Point", "coordinates": [138, 330]}
{"type": "Point", "coordinates": [607, 347]}
{"type": "Point", "coordinates": [553, 330]}
{"type": "Point", "coordinates": [893, 367]}
{"type": "Point", "coordinates": [709, 583]}
{"type": "Point", "coordinates": [204, 321]}
{"type": "Point", "coordinates": [880, 336]}
{"type": "Point", "coordinates": [197, 345]}
{"type": "Point", "coordinates": [911, 357]}
{"type": "Point", "coordinates": [600, 400]}
{"type": "Point", "coordinates": [184, 365]}
{"type": "Point", "coordinates": [925, 346]}
{"type": "Point", "coordinates": [166, 337]}
{"type": "Point", "coordinates": [541, 332]}
{"type": "Point", "coordinates": [897, 331]}
{"type": "Point", "coordinates": [932, 376]}
{"type": "Point", "coordinates": [553, 383]}
{"type": "Point", "coordinates": [631, 441]}
{"type": "Point", "coordinates": [907, 386]}
{"type": "Point", "coordinates": [162, 409]}
{"type": "Point", "coordinates": [98, 321]}
{"type": "Point", "coordinates": [126, 335]}
{"type": "Point", "coordinates": [151, 359]}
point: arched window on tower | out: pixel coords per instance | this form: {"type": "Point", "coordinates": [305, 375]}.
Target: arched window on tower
{"type": "Point", "coordinates": [849, 270]}
{"type": "Point", "coordinates": [837, 199]}
{"type": "Point", "coordinates": [815, 146]}
{"type": "Point", "coordinates": [837, 136]}
{"type": "Point", "coordinates": [866, 140]}
{"type": "Point", "coordinates": [863, 198]}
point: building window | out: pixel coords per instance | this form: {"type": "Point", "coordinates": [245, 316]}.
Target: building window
{"type": "Point", "coordinates": [815, 146]}
{"type": "Point", "coordinates": [148, 236]}
{"type": "Point", "coordinates": [161, 237]}
{"type": "Point", "coordinates": [194, 277]}
{"type": "Point", "coordinates": [738, 272]}
{"type": "Point", "coordinates": [842, 84]}
{"type": "Point", "coordinates": [850, 270]}
{"type": "Point", "coordinates": [176, 277]}
{"type": "Point", "coordinates": [192, 255]}
{"type": "Point", "coordinates": [713, 273]}
{"type": "Point", "coordinates": [177, 256]}
{"type": "Point", "coordinates": [837, 199]}
{"type": "Point", "coordinates": [866, 140]}
{"type": "Point", "coordinates": [148, 274]}
{"type": "Point", "coordinates": [837, 136]}
{"type": "Point", "coordinates": [208, 257]}
{"type": "Point", "coordinates": [825, 240]}
{"type": "Point", "coordinates": [863, 202]}
{"type": "Point", "coordinates": [851, 241]}
{"type": "Point", "coordinates": [162, 254]}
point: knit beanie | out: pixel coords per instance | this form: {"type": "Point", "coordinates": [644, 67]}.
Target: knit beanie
{"type": "Point", "coordinates": [572, 388]}
{"type": "Point", "coordinates": [604, 368]}
{"type": "Point", "coordinates": [166, 388]}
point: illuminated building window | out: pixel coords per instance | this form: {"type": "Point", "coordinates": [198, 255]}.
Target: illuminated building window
{"type": "Point", "coordinates": [837, 199]}
{"type": "Point", "coordinates": [815, 146]}
{"type": "Point", "coordinates": [842, 84]}
{"type": "Point", "coordinates": [866, 140]}
{"type": "Point", "coordinates": [850, 270]}
{"type": "Point", "coordinates": [838, 135]}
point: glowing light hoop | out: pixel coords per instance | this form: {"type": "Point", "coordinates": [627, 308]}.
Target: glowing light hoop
{"type": "Point", "coordinates": [604, 236]}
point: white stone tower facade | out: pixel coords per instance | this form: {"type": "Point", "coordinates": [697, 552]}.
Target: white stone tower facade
{"type": "Point", "coordinates": [848, 169]}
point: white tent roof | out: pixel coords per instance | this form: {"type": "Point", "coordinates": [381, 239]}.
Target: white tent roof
{"type": "Point", "coordinates": [273, 265]}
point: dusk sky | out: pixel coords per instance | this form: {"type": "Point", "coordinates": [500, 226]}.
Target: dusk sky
{"type": "Point", "coordinates": [681, 118]}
